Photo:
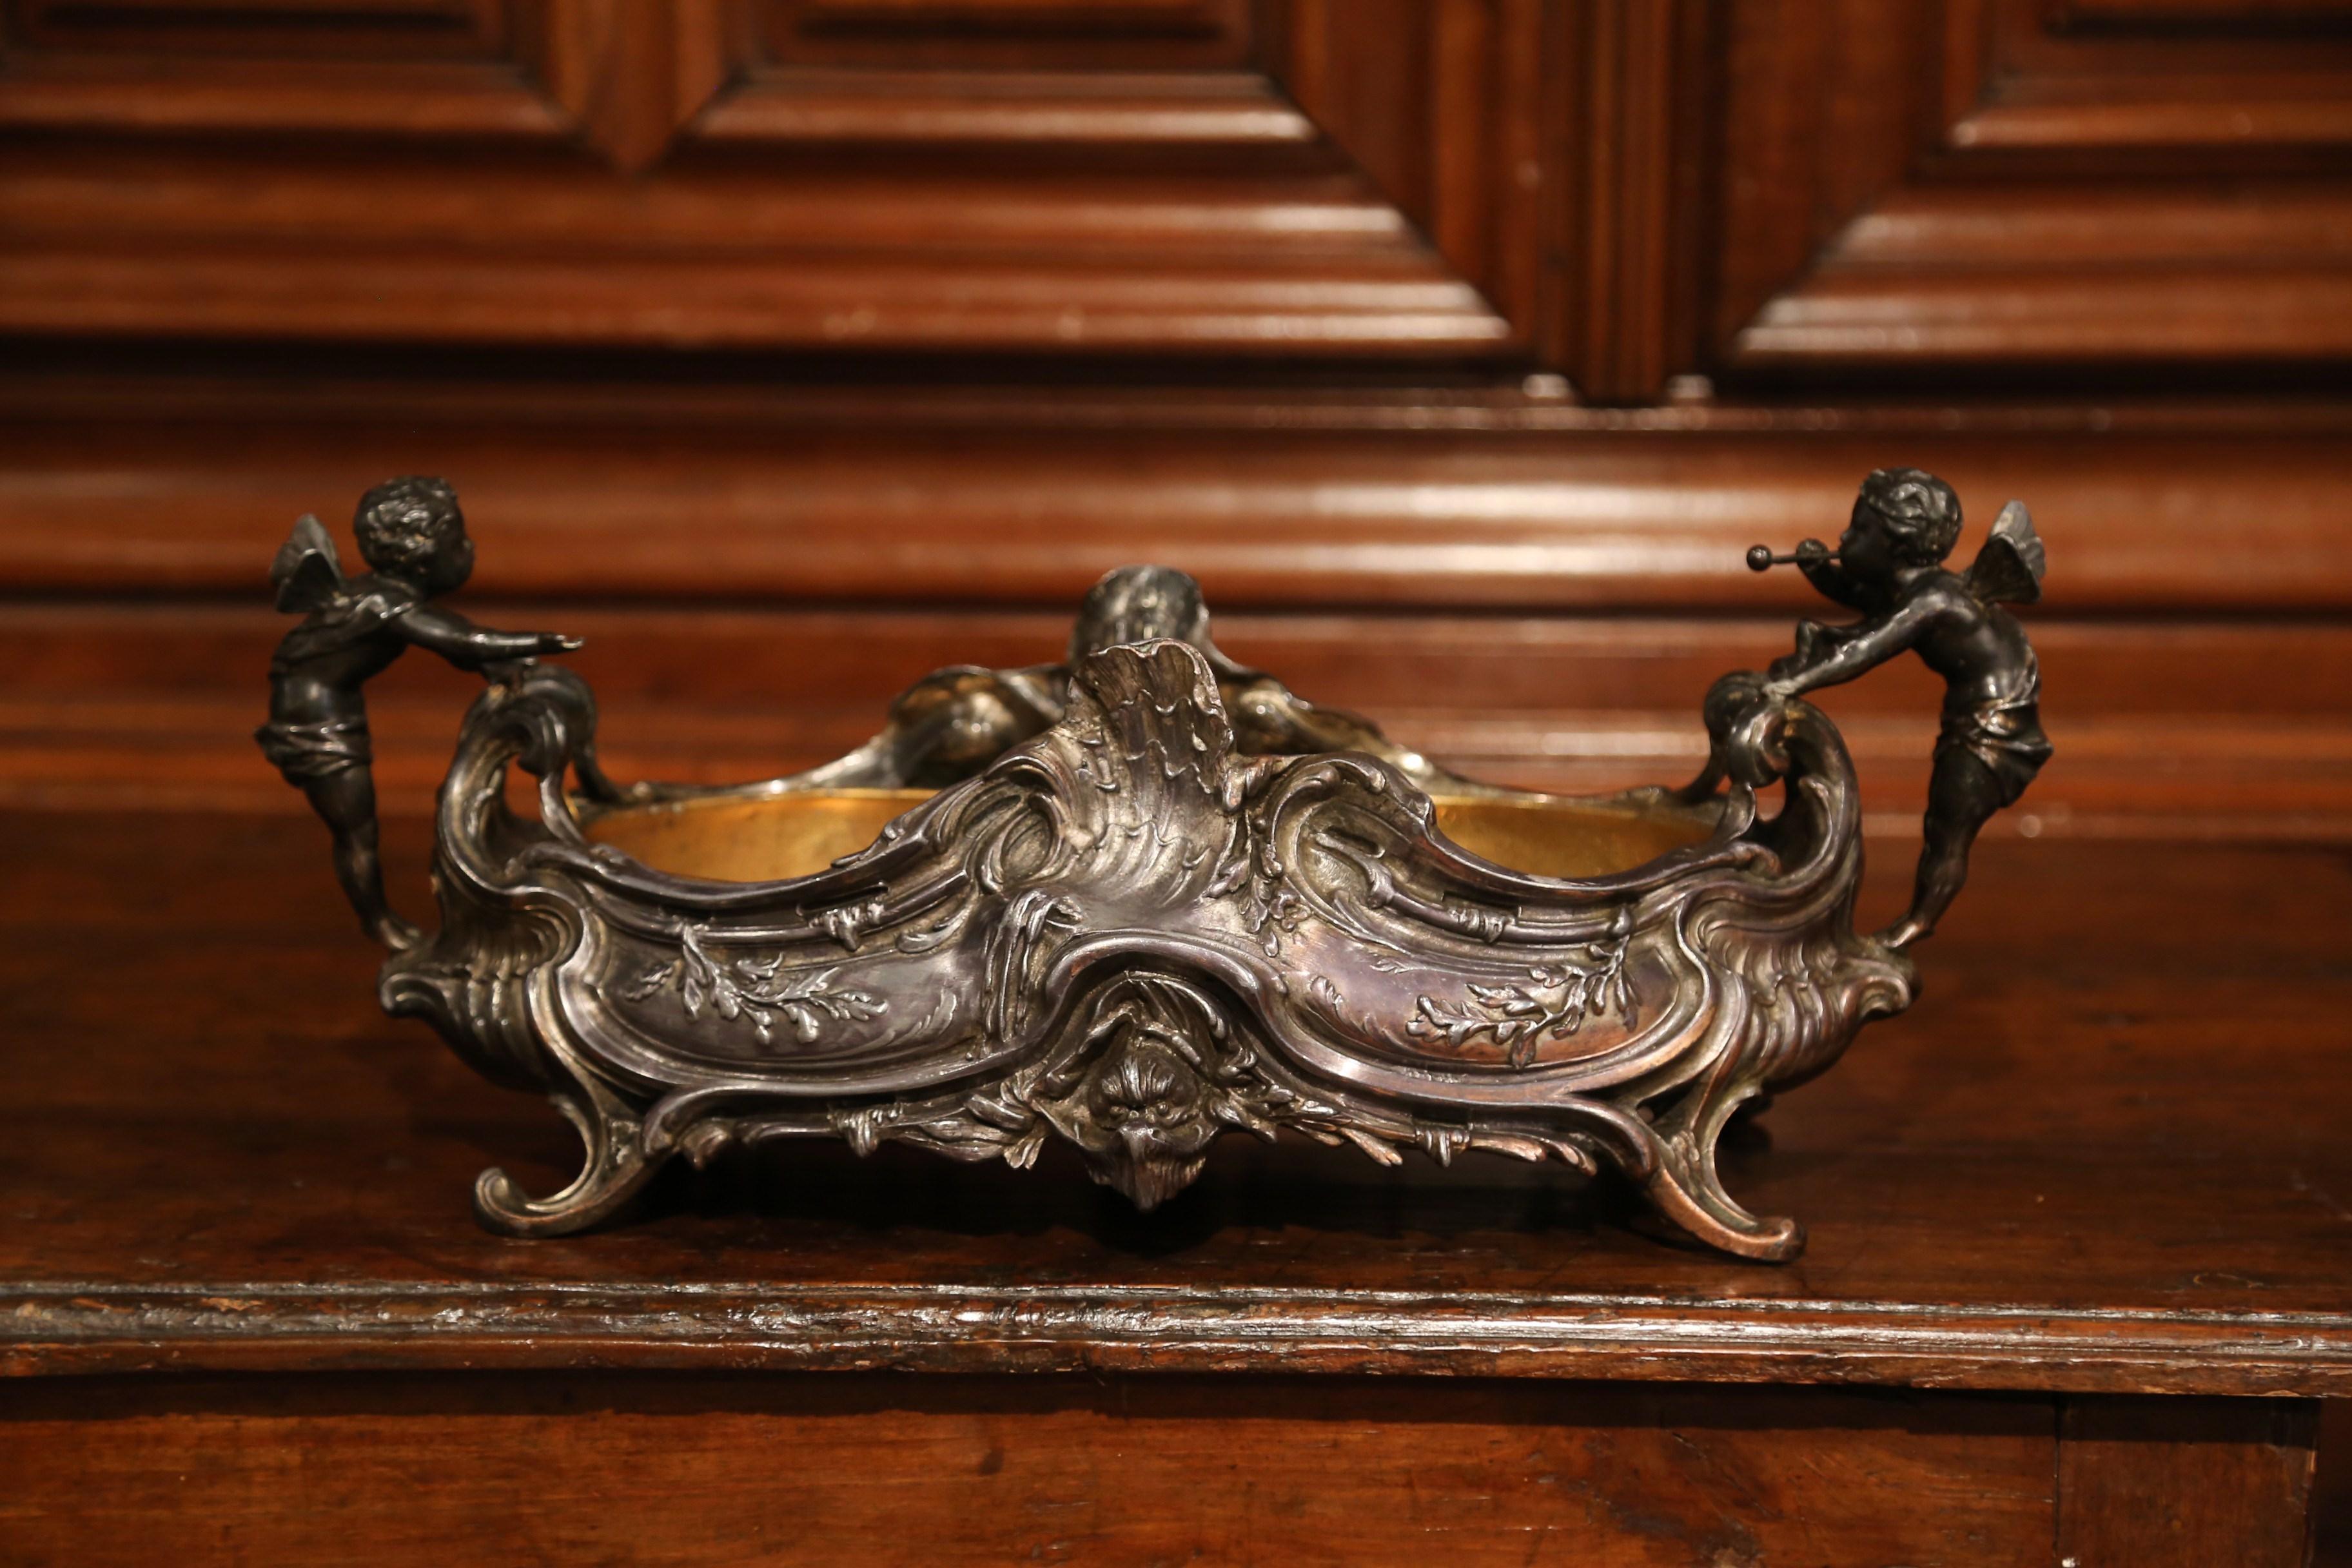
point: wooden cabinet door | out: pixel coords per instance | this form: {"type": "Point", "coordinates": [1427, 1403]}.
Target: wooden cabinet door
{"type": "Point", "coordinates": [1022, 177]}
{"type": "Point", "coordinates": [2156, 186]}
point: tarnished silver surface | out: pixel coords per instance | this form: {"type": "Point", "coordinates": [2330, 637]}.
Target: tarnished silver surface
{"type": "Point", "coordinates": [1155, 898]}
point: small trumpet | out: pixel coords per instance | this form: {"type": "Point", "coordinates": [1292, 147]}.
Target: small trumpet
{"type": "Point", "coordinates": [1761, 559]}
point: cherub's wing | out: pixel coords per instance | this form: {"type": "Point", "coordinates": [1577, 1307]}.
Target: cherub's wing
{"type": "Point", "coordinates": [2008, 569]}
{"type": "Point", "coordinates": [307, 570]}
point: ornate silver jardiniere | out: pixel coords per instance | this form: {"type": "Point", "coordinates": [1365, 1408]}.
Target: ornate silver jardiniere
{"type": "Point", "coordinates": [1145, 897]}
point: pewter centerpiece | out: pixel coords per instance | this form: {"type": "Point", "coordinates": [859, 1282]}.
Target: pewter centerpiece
{"type": "Point", "coordinates": [1146, 896]}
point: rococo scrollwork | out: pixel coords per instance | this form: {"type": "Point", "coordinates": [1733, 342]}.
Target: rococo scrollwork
{"type": "Point", "coordinates": [1146, 896]}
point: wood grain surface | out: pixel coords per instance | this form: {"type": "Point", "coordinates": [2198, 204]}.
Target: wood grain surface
{"type": "Point", "coordinates": [225, 1157]}
{"type": "Point", "coordinates": [1537, 593]}
{"type": "Point", "coordinates": [2174, 509]}
{"type": "Point", "coordinates": [2169, 729]}
{"type": "Point", "coordinates": [607, 1467]}
{"type": "Point", "coordinates": [235, 1204]}
{"type": "Point", "coordinates": [2185, 1481]}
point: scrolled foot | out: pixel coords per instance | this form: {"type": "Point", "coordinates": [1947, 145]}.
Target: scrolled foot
{"type": "Point", "coordinates": [1713, 1218]}
{"type": "Point", "coordinates": [617, 1167]}
{"type": "Point", "coordinates": [503, 1206]}
{"type": "Point", "coordinates": [1678, 1175]}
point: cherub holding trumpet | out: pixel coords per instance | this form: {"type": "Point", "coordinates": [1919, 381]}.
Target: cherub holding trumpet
{"type": "Point", "coordinates": [1889, 565]}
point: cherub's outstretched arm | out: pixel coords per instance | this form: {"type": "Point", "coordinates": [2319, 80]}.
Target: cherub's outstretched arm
{"type": "Point", "coordinates": [470, 647]}
{"type": "Point", "coordinates": [1861, 650]}
{"type": "Point", "coordinates": [1829, 579]}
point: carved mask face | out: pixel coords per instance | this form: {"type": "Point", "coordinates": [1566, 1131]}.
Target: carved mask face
{"type": "Point", "coordinates": [1144, 1118]}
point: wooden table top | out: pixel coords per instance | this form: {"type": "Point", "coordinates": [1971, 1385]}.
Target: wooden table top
{"type": "Point", "coordinates": [2106, 1151]}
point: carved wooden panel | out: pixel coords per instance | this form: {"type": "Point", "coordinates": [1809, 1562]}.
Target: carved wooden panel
{"type": "Point", "coordinates": [1293, 178]}
{"type": "Point", "coordinates": [382, 70]}
{"type": "Point", "coordinates": [1617, 190]}
{"type": "Point", "coordinates": [385, 29]}
{"type": "Point", "coordinates": [1333, 179]}
{"type": "Point", "coordinates": [1029, 35]}
{"type": "Point", "coordinates": [2150, 74]}
{"type": "Point", "coordinates": [1980, 181]}
{"type": "Point", "coordinates": [2281, 14]}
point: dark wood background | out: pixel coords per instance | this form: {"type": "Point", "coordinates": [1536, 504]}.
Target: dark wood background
{"type": "Point", "coordinates": [788, 348]}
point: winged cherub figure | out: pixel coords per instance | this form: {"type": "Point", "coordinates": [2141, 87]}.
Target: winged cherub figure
{"type": "Point", "coordinates": [410, 532]}
{"type": "Point", "coordinates": [1889, 565]}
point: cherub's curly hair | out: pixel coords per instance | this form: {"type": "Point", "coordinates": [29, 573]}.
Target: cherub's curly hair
{"type": "Point", "coordinates": [1922, 513]}
{"type": "Point", "coordinates": [404, 524]}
